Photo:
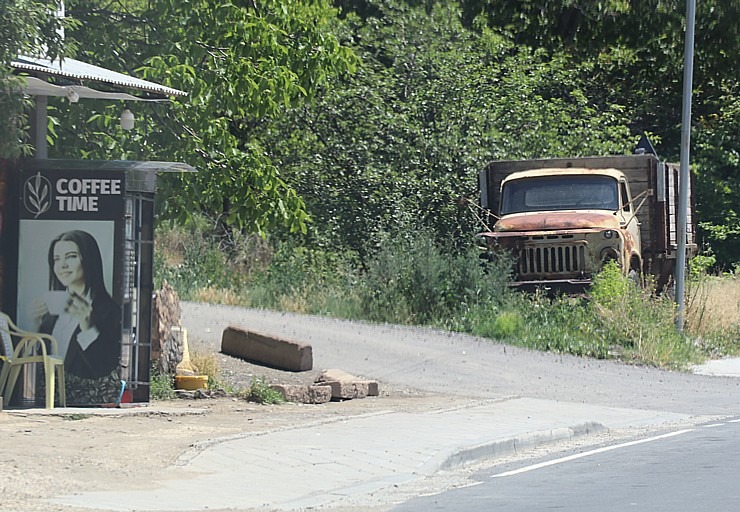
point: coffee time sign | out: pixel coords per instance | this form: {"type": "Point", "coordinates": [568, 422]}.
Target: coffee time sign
{"type": "Point", "coordinates": [52, 193]}
{"type": "Point", "coordinates": [71, 239]}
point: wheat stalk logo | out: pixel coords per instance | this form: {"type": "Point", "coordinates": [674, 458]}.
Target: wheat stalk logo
{"type": "Point", "coordinates": [38, 195]}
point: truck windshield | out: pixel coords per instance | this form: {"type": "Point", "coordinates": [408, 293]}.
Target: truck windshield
{"type": "Point", "coordinates": [573, 192]}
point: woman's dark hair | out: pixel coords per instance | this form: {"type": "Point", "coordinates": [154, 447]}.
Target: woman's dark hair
{"type": "Point", "coordinates": [92, 263]}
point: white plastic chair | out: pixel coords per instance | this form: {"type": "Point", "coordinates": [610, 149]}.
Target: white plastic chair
{"type": "Point", "coordinates": [30, 349]}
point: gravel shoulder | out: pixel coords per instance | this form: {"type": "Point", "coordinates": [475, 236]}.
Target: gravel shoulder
{"type": "Point", "coordinates": [44, 456]}
{"type": "Point", "coordinates": [418, 370]}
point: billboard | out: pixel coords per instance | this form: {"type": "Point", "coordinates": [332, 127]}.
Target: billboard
{"type": "Point", "coordinates": [70, 267]}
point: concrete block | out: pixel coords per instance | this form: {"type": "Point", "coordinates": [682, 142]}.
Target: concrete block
{"type": "Point", "coordinates": [1, 404]}
{"type": "Point", "coordinates": [304, 394]}
{"type": "Point", "coordinates": [345, 385]}
{"type": "Point", "coordinates": [266, 349]}
{"type": "Point", "coordinates": [347, 390]}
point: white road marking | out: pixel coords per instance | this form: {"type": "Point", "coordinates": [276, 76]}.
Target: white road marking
{"type": "Point", "coordinates": [712, 425]}
{"type": "Point", "coordinates": [588, 453]}
{"type": "Point", "coordinates": [735, 421]}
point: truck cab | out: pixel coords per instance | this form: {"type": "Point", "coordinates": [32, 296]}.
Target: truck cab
{"type": "Point", "coordinates": [563, 218]}
{"type": "Point", "coordinates": [563, 224]}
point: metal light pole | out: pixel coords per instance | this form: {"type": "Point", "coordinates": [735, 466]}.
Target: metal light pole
{"type": "Point", "coordinates": [683, 176]}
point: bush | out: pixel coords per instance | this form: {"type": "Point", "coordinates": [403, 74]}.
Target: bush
{"type": "Point", "coordinates": [262, 393]}
{"type": "Point", "coordinates": [187, 259]}
{"type": "Point", "coordinates": [303, 280]}
{"type": "Point", "coordinates": [415, 281]}
{"type": "Point", "coordinates": [641, 324]}
{"type": "Point", "coordinates": [563, 324]}
{"type": "Point", "coordinates": [410, 279]}
{"type": "Point", "coordinates": [162, 385]}
{"type": "Point", "coordinates": [507, 325]}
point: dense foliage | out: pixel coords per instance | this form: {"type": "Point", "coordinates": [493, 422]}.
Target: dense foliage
{"type": "Point", "coordinates": [373, 117]}
{"type": "Point", "coordinates": [241, 64]}
{"type": "Point", "coordinates": [415, 282]}
{"type": "Point", "coordinates": [27, 27]}
{"type": "Point", "coordinates": [399, 145]}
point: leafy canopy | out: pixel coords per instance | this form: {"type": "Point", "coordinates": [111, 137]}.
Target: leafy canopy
{"type": "Point", "coordinates": [241, 64]}
{"type": "Point", "coordinates": [27, 27]}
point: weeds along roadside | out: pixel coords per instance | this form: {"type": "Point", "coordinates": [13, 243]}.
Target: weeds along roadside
{"type": "Point", "coordinates": [411, 280]}
{"type": "Point", "coordinates": [259, 391]}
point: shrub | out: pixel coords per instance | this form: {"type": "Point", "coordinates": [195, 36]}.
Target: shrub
{"type": "Point", "coordinates": [508, 324]}
{"type": "Point", "coordinates": [641, 324]}
{"type": "Point", "coordinates": [262, 393]}
{"type": "Point", "coordinates": [188, 260]}
{"type": "Point", "coordinates": [412, 280]}
{"type": "Point", "coordinates": [563, 324]}
{"type": "Point", "coordinates": [162, 385]}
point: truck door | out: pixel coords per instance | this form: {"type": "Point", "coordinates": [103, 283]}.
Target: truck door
{"type": "Point", "coordinates": [628, 216]}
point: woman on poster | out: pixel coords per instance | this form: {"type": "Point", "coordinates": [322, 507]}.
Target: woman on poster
{"type": "Point", "coordinates": [84, 318]}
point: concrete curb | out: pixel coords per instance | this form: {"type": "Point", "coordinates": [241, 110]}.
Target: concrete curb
{"type": "Point", "coordinates": [514, 445]}
{"type": "Point", "coordinates": [112, 412]}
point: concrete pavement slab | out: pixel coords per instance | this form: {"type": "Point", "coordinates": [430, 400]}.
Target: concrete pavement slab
{"type": "Point", "coordinates": [310, 466]}
{"type": "Point", "coordinates": [729, 367]}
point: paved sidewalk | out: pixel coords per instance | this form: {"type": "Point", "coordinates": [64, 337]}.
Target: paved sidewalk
{"type": "Point", "coordinates": [311, 466]}
{"type": "Point", "coordinates": [729, 367]}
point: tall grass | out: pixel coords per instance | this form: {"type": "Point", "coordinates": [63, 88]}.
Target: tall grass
{"type": "Point", "coordinates": [713, 313]}
{"type": "Point", "coordinates": [411, 280]}
{"type": "Point", "coordinates": [198, 263]}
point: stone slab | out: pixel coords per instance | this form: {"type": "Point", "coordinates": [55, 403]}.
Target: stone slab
{"type": "Point", "coordinates": [347, 390]}
{"type": "Point", "coordinates": [267, 349]}
{"type": "Point", "coordinates": [346, 386]}
{"type": "Point", "coordinates": [304, 394]}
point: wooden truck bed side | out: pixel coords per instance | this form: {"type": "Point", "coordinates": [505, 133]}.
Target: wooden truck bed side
{"type": "Point", "coordinates": [650, 180]}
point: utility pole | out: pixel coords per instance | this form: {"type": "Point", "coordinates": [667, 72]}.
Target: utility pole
{"type": "Point", "coordinates": [683, 172]}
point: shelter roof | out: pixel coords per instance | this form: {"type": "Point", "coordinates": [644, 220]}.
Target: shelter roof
{"type": "Point", "coordinates": [76, 70]}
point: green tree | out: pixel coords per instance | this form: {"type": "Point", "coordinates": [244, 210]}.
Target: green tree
{"type": "Point", "coordinates": [717, 147]}
{"type": "Point", "coordinates": [398, 147]}
{"type": "Point", "coordinates": [241, 63]}
{"type": "Point", "coordinates": [638, 51]}
{"type": "Point", "coordinates": [26, 27]}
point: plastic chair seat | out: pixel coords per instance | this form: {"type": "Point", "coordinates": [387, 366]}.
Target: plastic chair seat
{"type": "Point", "coordinates": [31, 349]}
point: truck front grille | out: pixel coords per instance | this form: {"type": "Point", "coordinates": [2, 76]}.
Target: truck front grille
{"type": "Point", "coordinates": [545, 260]}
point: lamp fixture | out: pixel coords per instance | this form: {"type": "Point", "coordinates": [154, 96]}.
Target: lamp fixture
{"type": "Point", "coordinates": [127, 120]}
{"type": "Point", "coordinates": [72, 95]}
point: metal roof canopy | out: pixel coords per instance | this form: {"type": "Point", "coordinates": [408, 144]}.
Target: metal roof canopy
{"type": "Point", "coordinates": [38, 87]}
{"type": "Point", "coordinates": [141, 176]}
{"type": "Point", "coordinates": [76, 70]}
{"type": "Point", "coordinates": [107, 165]}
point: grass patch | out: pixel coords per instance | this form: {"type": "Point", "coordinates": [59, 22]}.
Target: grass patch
{"type": "Point", "coordinates": [162, 386]}
{"type": "Point", "coordinates": [215, 295]}
{"type": "Point", "coordinates": [713, 314]}
{"type": "Point", "coordinates": [641, 323]}
{"type": "Point", "coordinates": [261, 392]}
{"type": "Point", "coordinates": [207, 364]}
{"type": "Point", "coordinates": [412, 280]}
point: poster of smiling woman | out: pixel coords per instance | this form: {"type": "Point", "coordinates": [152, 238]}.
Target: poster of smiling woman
{"type": "Point", "coordinates": [69, 276]}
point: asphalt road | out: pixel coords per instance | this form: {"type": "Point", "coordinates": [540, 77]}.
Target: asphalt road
{"type": "Point", "coordinates": [450, 363]}
{"type": "Point", "coordinates": [681, 471]}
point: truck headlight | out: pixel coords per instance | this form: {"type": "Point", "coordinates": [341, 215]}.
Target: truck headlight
{"type": "Point", "coordinates": [608, 234]}
{"type": "Point", "coordinates": [609, 253]}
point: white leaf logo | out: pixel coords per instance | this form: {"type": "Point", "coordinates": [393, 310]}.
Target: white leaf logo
{"type": "Point", "coordinates": [38, 196]}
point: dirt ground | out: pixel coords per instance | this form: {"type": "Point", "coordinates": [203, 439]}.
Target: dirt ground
{"type": "Point", "coordinates": [45, 454]}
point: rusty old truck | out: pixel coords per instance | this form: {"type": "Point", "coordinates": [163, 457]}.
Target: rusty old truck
{"type": "Point", "coordinates": [563, 219]}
